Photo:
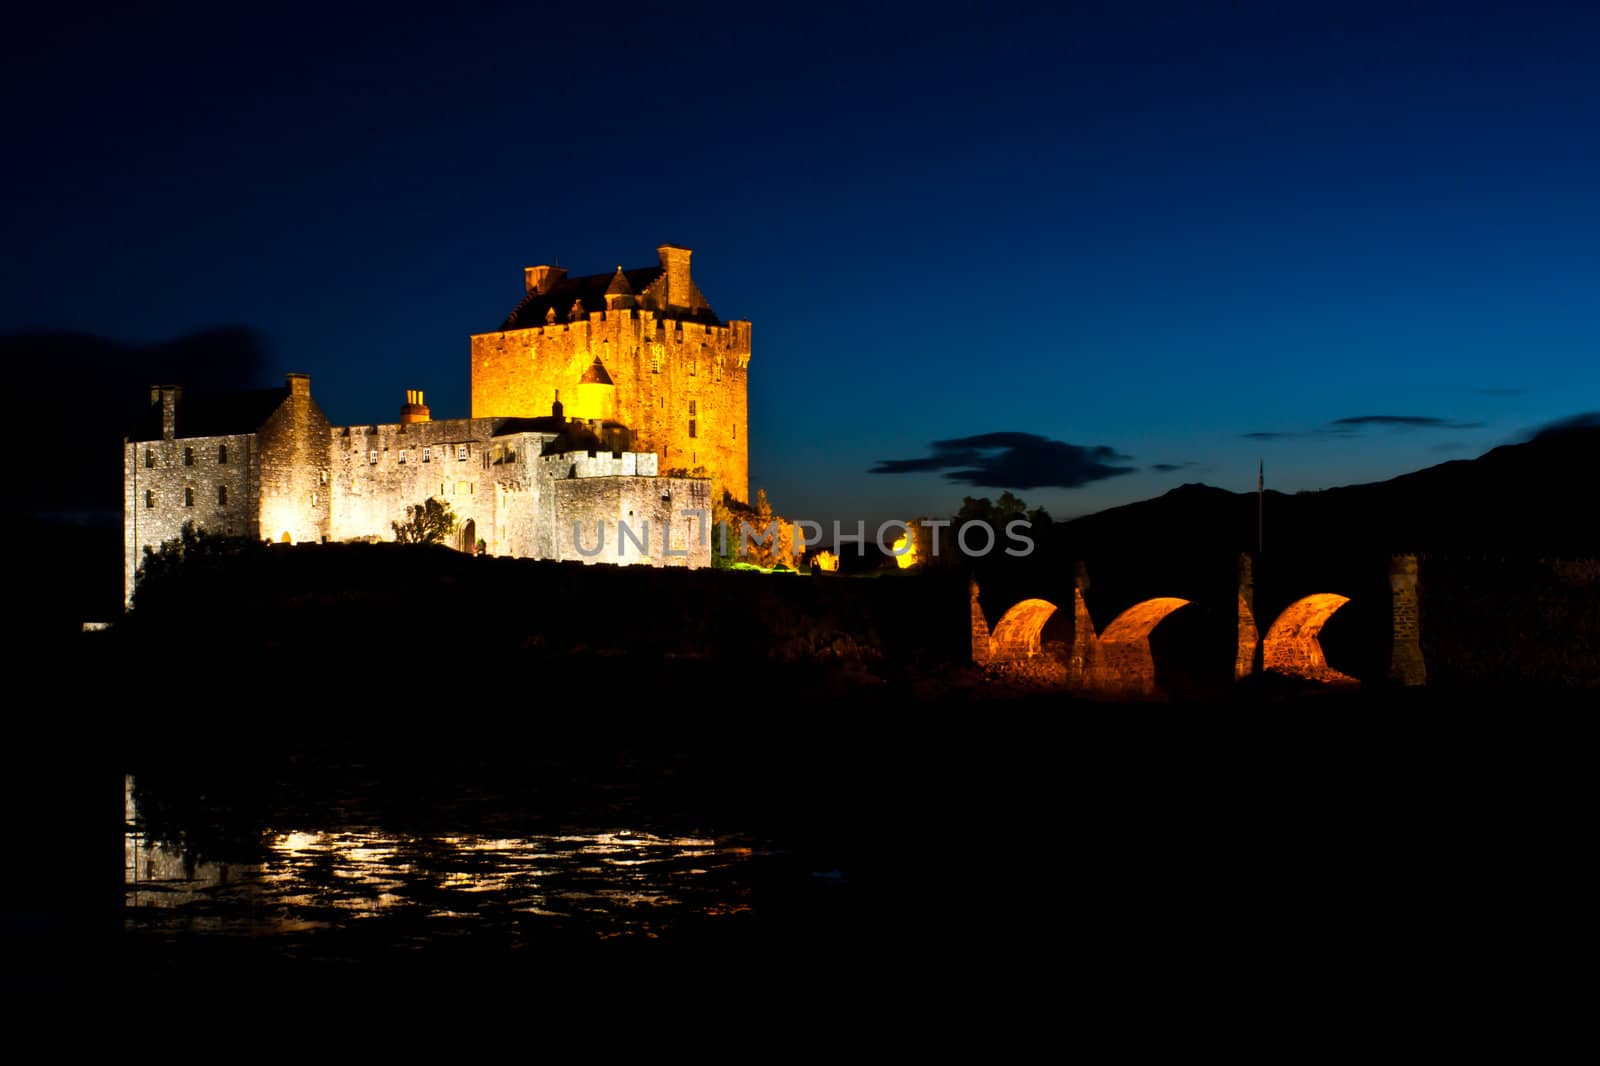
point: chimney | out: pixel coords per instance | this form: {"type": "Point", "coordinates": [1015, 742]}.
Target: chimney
{"type": "Point", "coordinates": [413, 410]}
{"type": "Point", "coordinates": [675, 261]}
{"type": "Point", "coordinates": [169, 396]}
{"type": "Point", "coordinates": [299, 384]}
{"type": "Point", "coordinates": [541, 279]}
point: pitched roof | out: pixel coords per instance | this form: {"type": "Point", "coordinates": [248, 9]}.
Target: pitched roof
{"type": "Point", "coordinates": [619, 285]}
{"type": "Point", "coordinates": [596, 374]}
{"type": "Point", "coordinates": [590, 292]}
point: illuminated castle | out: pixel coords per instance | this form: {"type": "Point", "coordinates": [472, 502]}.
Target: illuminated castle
{"type": "Point", "coordinates": [639, 347]}
{"type": "Point", "coordinates": [606, 411]}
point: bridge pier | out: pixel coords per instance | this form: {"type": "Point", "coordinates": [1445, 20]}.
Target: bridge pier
{"type": "Point", "coordinates": [1247, 659]}
{"type": "Point", "coordinates": [1405, 658]}
{"type": "Point", "coordinates": [982, 643]}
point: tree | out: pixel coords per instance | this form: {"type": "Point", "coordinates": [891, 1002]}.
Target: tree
{"type": "Point", "coordinates": [430, 522]}
{"type": "Point", "coordinates": [196, 555]}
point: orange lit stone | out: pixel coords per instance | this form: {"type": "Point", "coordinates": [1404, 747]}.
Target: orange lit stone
{"type": "Point", "coordinates": [1291, 645]}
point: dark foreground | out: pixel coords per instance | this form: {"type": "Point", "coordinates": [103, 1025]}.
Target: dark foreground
{"type": "Point", "coordinates": [780, 818]}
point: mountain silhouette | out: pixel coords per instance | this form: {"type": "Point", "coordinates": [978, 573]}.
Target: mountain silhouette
{"type": "Point", "coordinates": [1533, 498]}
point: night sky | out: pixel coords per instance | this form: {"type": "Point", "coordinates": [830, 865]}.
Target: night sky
{"type": "Point", "coordinates": [1090, 255]}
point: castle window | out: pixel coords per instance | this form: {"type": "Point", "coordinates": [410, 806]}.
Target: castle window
{"type": "Point", "coordinates": [427, 455]}
{"type": "Point", "coordinates": [372, 457]}
{"type": "Point", "coordinates": [188, 457]}
{"type": "Point", "coordinates": [736, 431]}
{"type": "Point", "coordinates": [692, 367]}
{"type": "Point", "coordinates": [691, 427]}
{"type": "Point", "coordinates": [692, 410]}
{"type": "Point", "coordinates": [222, 495]}
{"type": "Point", "coordinates": [222, 455]}
{"type": "Point", "coordinates": [149, 497]}
{"type": "Point", "coordinates": [188, 497]}
{"type": "Point", "coordinates": [402, 455]}
{"type": "Point", "coordinates": [149, 458]}
{"type": "Point", "coordinates": [655, 359]}
{"type": "Point", "coordinates": [461, 452]}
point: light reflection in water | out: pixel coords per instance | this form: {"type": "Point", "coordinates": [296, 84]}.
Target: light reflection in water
{"type": "Point", "coordinates": [606, 883]}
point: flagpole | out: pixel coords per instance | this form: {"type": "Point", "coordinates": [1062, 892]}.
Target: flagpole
{"type": "Point", "coordinates": [1261, 486]}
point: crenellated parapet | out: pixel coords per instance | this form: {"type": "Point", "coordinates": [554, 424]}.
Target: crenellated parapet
{"type": "Point", "coordinates": [677, 375]}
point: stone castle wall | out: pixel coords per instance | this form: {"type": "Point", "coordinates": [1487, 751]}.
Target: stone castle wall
{"type": "Point", "coordinates": [166, 483]}
{"type": "Point", "coordinates": [296, 500]}
{"type": "Point", "coordinates": [591, 512]}
{"type": "Point", "coordinates": [671, 378]}
{"type": "Point", "coordinates": [380, 470]}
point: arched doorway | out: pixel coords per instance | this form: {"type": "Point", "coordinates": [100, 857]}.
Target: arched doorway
{"type": "Point", "coordinates": [469, 537]}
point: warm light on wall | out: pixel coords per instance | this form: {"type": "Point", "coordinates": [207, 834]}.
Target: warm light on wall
{"type": "Point", "coordinates": [904, 549]}
{"type": "Point", "coordinates": [1291, 646]}
{"type": "Point", "coordinates": [825, 561]}
{"type": "Point", "coordinates": [1017, 634]}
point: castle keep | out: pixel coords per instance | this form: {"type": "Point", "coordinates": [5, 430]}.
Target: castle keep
{"type": "Point", "coordinates": [606, 411]}
{"type": "Point", "coordinates": [639, 347]}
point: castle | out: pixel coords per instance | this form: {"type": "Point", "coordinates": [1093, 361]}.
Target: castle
{"type": "Point", "coordinates": [608, 412]}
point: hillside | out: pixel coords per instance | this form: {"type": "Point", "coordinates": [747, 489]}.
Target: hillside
{"type": "Point", "coordinates": [1534, 498]}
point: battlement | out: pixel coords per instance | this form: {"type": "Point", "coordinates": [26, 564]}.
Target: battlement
{"type": "Point", "coordinates": [674, 373]}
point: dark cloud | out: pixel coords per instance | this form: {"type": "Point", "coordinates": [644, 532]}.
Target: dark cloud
{"type": "Point", "coordinates": [1354, 425]}
{"type": "Point", "coordinates": [1167, 468]}
{"type": "Point", "coordinates": [1561, 426]}
{"type": "Point", "coordinates": [1013, 461]}
{"type": "Point", "coordinates": [108, 382]}
{"type": "Point", "coordinates": [1400, 422]}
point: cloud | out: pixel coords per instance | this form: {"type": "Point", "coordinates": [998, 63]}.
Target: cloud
{"type": "Point", "coordinates": [1167, 468]}
{"type": "Point", "coordinates": [1400, 422]}
{"type": "Point", "coordinates": [1354, 425]}
{"type": "Point", "coordinates": [1013, 461]}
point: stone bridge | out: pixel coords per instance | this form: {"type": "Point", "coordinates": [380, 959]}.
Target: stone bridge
{"type": "Point", "coordinates": [1194, 626]}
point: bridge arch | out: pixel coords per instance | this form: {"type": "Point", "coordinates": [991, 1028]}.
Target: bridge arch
{"type": "Point", "coordinates": [1291, 645]}
{"type": "Point", "coordinates": [1016, 635]}
{"type": "Point", "coordinates": [1125, 659]}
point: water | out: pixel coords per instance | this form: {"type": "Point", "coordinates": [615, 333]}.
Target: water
{"type": "Point", "coordinates": [345, 888]}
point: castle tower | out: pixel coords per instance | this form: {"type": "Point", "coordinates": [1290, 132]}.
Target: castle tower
{"type": "Point", "coordinates": [619, 294]}
{"type": "Point", "coordinates": [597, 394]}
{"type": "Point", "coordinates": [640, 346]}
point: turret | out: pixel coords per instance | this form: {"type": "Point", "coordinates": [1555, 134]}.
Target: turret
{"type": "Point", "coordinates": [619, 294]}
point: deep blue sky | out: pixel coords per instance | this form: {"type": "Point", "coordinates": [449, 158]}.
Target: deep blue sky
{"type": "Point", "coordinates": [1154, 229]}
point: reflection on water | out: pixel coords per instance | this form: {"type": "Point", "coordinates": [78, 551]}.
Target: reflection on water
{"type": "Point", "coordinates": [423, 888]}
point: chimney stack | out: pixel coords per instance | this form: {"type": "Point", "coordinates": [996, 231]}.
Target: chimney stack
{"type": "Point", "coordinates": [541, 279]}
{"type": "Point", "coordinates": [169, 395]}
{"type": "Point", "coordinates": [414, 410]}
{"type": "Point", "coordinates": [675, 261]}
